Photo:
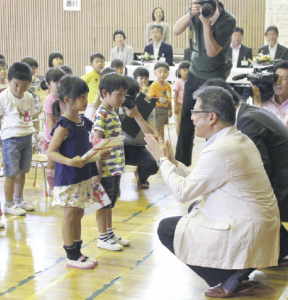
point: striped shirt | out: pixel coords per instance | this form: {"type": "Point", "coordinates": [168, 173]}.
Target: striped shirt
{"type": "Point", "coordinates": [34, 90]}
{"type": "Point", "coordinates": [109, 122]}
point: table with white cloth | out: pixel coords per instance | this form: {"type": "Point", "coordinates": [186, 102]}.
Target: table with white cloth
{"type": "Point", "coordinates": [172, 74]}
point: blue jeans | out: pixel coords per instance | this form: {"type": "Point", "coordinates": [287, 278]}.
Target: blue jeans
{"type": "Point", "coordinates": [17, 155]}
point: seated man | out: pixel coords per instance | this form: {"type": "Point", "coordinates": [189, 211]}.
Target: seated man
{"type": "Point", "coordinates": [234, 227]}
{"type": "Point", "coordinates": [273, 48]}
{"type": "Point", "coordinates": [239, 53]}
{"type": "Point", "coordinates": [134, 148]}
{"type": "Point", "coordinates": [157, 48]}
{"type": "Point", "coordinates": [278, 104]}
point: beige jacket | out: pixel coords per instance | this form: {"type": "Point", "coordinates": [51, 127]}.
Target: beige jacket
{"type": "Point", "coordinates": [236, 223]}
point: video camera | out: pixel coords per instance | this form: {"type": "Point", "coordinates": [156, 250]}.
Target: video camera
{"type": "Point", "coordinates": [208, 8]}
{"type": "Point", "coordinates": [264, 81]}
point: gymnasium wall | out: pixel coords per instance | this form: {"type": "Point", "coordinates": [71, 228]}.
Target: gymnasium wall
{"type": "Point", "coordinates": [38, 27]}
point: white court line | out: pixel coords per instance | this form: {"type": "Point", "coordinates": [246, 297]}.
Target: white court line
{"type": "Point", "coordinates": [284, 296]}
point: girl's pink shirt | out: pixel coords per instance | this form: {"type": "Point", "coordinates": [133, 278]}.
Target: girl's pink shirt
{"type": "Point", "coordinates": [48, 110]}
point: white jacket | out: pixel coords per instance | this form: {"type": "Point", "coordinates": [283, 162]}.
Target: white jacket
{"type": "Point", "coordinates": [236, 223]}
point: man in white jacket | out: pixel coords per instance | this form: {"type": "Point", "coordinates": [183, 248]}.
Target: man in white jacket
{"type": "Point", "coordinates": [234, 227]}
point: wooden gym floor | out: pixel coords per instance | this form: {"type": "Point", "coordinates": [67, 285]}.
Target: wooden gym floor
{"type": "Point", "coordinates": [32, 260]}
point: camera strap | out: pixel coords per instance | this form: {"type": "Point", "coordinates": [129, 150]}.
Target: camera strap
{"type": "Point", "coordinates": [191, 35]}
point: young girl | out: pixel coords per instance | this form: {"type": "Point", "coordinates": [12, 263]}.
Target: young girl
{"type": "Point", "coordinates": [178, 89]}
{"type": "Point", "coordinates": [73, 176]}
{"type": "Point", "coordinates": [55, 59]}
{"type": "Point", "coordinates": [52, 78]}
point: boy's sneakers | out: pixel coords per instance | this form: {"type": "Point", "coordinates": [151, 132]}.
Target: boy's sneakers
{"type": "Point", "coordinates": [25, 206]}
{"type": "Point", "coordinates": [109, 244]}
{"type": "Point", "coordinates": [14, 210]}
{"type": "Point", "coordinates": [120, 241]}
{"type": "Point", "coordinates": [2, 225]}
{"type": "Point", "coordinates": [50, 192]}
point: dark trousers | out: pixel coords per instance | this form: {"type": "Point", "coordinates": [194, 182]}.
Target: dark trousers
{"type": "Point", "coordinates": [283, 242]}
{"type": "Point", "coordinates": [139, 156]}
{"type": "Point", "coordinates": [166, 231]}
{"type": "Point", "coordinates": [186, 135]}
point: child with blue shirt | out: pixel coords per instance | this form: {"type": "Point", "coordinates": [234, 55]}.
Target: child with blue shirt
{"type": "Point", "coordinates": [113, 88]}
{"type": "Point", "coordinates": [17, 108]}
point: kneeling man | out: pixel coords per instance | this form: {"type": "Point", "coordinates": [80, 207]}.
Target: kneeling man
{"type": "Point", "coordinates": [234, 227]}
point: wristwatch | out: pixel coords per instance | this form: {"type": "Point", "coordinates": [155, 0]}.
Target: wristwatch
{"type": "Point", "coordinates": [160, 160]}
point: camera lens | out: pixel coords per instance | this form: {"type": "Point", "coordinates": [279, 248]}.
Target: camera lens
{"type": "Point", "coordinates": [129, 102]}
{"type": "Point", "coordinates": [207, 10]}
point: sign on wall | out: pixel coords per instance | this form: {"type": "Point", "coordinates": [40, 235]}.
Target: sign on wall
{"type": "Point", "coordinates": [72, 5]}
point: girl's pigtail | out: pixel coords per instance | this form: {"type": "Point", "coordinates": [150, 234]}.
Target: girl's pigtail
{"type": "Point", "coordinates": [43, 85]}
{"type": "Point", "coordinates": [56, 109]}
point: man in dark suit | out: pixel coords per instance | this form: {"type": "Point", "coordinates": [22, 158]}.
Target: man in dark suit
{"type": "Point", "coordinates": [271, 138]}
{"type": "Point", "coordinates": [273, 48]}
{"type": "Point", "coordinates": [239, 53]}
{"type": "Point", "coordinates": [158, 48]}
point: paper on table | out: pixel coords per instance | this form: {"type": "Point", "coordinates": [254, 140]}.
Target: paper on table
{"type": "Point", "coordinates": [101, 199]}
{"type": "Point", "coordinates": [103, 146]}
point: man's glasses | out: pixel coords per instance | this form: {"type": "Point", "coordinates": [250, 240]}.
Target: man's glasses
{"type": "Point", "coordinates": [194, 112]}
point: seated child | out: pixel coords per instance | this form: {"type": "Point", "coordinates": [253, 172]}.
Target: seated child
{"type": "Point", "coordinates": [118, 65]}
{"type": "Point", "coordinates": [16, 109]}
{"type": "Point", "coordinates": [162, 90]}
{"type": "Point", "coordinates": [178, 89]}
{"type": "Point", "coordinates": [97, 62]}
{"type": "Point", "coordinates": [4, 84]}
{"type": "Point", "coordinates": [67, 69]}
{"type": "Point", "coordinates": [2, 56]}
{"type": "Point", "coordinates": [55, 59]}
{"type": "Point", "coordinates": [113, 88]}
{"type": "Point", "coordinates": [34, 88]}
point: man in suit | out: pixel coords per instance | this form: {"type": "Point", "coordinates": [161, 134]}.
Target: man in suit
{"type": "Point", "coordinates": [271, 138]}
{"type": "Point", "coordinates": [239, 53]}
{"type": "Point", "coordinates": [224, 236]}
{"type": "Point", "coordinates": [158, 48]}
{"type": "Point", "coordinates": [273, 48]}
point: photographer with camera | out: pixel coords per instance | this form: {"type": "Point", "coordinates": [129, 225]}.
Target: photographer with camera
{"type": "Point", "coordinates": [212, 27]}
{"type": "Point", "coordinates": [278, 103]}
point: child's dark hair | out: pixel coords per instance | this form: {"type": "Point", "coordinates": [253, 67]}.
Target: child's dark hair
{"type": "Point", "coordinates": [160, 64]}
{"type": "Point", "coordinates": [133, 86]}
{"type": "Point", "coordinates": [107, 70]}
{"type": "Point", "coordinates": [185, 64]}
{"type": "Point", "coordinates": [72, 87]}
{"type": "Point", "coordinates": [2, 56]}
{"type": "Point", "coordinates": [3, 63]}
{"type": "Point", "coordinates": [112, 82]}
{"type": "Point", "coordinates": [119, 32]}
{"type": "Point", "coordinates": [32, 62]}
{"type": "Point", "coordinates": [21, 71]}
{"type": "Point", "coordinates": [141, 72]}
{"type": "Point", "coordinates": [116, 63]}
{"type": "Point", "coordinates": [66, 69]}
{"type": "Point", "coordinates": [53, 74]}
{"type": "Point", "coordinates": [53, 55]}
{"type": "Point", "coordinates": [96, 55]}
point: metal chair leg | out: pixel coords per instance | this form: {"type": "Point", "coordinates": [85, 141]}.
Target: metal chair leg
{"type": "Point", "coordinates": [35, 174]}
{"type": "Point", "coordinates": [44, 176]}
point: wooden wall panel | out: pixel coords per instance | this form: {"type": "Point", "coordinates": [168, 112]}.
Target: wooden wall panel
{"type": "Point", "coordinates": [38, 27]}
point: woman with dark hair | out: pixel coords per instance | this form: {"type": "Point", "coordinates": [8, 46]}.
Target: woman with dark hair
{"type": "Point", "coordinates": [121, 51]}
{"type": "Point", "coordinates": [158, 19]}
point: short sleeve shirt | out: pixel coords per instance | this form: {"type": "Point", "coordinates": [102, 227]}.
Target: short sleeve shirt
{"type": "Point", "coordinates": [16, 115]}
{"type": "Point", "coordinates": [4, 86]}
{"type": "Point", "coordinates": [93, 80]}
{"type": "Point", "coordinates": [109, 122]}
{"type": "Point", "coordinates": [179, 87]}
{"type": "Point", "coordinates": [162, 93]}
{"type": "Point", "coordinates": [203, 66]}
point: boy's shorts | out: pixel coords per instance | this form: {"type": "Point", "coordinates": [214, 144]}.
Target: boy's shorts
{"type": "Point", "coordinates": [111, 185]}
{"type": "Point", "coordinates": [177, 117]}
{"type": "Point", "coordinates": [161, 116]}
{"type": "Point", "coordinates": [17, 155]}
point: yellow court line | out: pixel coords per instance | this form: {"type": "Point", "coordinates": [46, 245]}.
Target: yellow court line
{"type": "Point", "coordinates": [63, 277]}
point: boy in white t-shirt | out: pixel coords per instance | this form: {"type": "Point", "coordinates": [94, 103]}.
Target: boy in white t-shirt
{"type": "Point", "coordinates": [16, 110]}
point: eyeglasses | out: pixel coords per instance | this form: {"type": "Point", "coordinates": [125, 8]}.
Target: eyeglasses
{"type": "Point", "coordinates": [283, 77]}
{"type": "Point", "coordinates": [193, 112]}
